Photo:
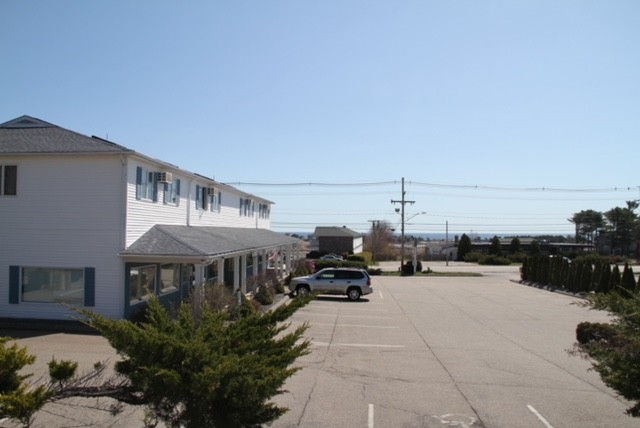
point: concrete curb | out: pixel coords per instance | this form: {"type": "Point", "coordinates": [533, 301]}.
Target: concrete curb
{"type": "Point", "coordinates": [551, 289]}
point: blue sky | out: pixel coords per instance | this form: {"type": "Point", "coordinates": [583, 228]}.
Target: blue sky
{"type": "Point", "coordinates": [519, 95]}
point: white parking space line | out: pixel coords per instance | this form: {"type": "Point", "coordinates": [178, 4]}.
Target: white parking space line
{"type": "Point", "coordinates": [364, 316]}
{"type": "Point", "coordinates": [381, 295]}
{"type": "Point", "coordinates": [370, 419]}
{"type": "Point", "coordinates": [357, 325]}
{"type": "Point", "coordinates": [357, 345]}
{"type": "Point", "coordinates": [539, 416]}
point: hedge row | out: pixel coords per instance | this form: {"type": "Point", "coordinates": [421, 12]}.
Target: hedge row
{"type": "Point", "coordinates": [591, 274]}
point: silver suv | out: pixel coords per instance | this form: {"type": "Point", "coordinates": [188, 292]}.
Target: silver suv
{"type": "Point", "coordinates": [351, 282]}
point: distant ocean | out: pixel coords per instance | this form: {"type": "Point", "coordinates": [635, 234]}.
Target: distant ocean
{"type": "Point", "coordinates": [442, 236]}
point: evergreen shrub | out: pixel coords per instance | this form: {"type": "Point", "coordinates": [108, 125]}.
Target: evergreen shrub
{"type": "Point", "coordinates": [494, 260]}
{"type": "Point", "coordinates": [472, 257]}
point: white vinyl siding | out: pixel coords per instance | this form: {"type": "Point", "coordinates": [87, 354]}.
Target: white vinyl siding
{"type": "Point", "coordinates": [67, 215]}
{"type": "Point", "coordinates": [142, 215]}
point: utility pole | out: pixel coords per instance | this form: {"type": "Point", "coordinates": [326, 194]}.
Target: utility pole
{"type": "Point", "coordinates": [375, 227]}
{"type": "Point", "coordinates": [402, 202]}
{"type": "Point", "coordinates": [446, 241]}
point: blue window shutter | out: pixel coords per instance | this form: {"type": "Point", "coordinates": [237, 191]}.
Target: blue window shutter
{"type": "Point", "coordinates": [14, 285]}
{"type": "Point", "coordinates": [178, 187]}
{"type": "Point", "coordinates": [154, 183]}
{"type": "Point", "coordinates": [138, 182]}
{"type": "Point", "coordinates": [89, 286]}
{"type": "Point", "coordinates": [165, 198]}
{"type": "Point", "coordinates": [198, 197]}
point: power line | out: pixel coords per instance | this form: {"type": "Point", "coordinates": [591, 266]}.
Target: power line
{"type": "Point", "coordinates": [375, 183]}
{"type": "Point", "coordinates": [528, 189]}
{"type": "Point", "coordinates": [447, 186]}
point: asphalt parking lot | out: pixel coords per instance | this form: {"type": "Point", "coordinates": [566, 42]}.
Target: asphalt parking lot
{"type": "Point", "coordinates": [418, 352]}
{"type": "Point", "coordinates": [448, 351]}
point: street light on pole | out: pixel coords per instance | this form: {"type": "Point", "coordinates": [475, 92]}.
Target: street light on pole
{"type": "Point", "coordinates": [402, 203]}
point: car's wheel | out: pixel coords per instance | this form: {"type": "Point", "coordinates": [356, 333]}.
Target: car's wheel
{"type": "Point", "coordinates": [353, 293]}
{"type": "Point", "coordinates": [302, 290]}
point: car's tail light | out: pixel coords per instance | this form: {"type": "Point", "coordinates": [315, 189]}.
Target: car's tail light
{"type": "Point", "coordinates": [368, 282]}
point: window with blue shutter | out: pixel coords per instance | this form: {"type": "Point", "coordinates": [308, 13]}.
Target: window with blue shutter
{"type": "Point", "coordinates": [172, 193]}
{"type": "Point", "coordinates": [146, 184]}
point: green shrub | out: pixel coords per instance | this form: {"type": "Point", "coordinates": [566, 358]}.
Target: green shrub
{"type": "Point", "coordinates": [494, 260]}
{"type": "Point", "coordinates": [614, 349]}
{"type": "Point", "coordinates": [615, 278]}
{"type": "Point", "coordinates": [210, 372]}
{"type": "Point", "coordinates": [265, 295]}
{"type": "Point", "coordinates": [517, 257]}
{"type": "Point", "coordinates": [367, 257]}
{"type": "Point", "coordinates": [279, 287]}
{"type": "Point", "coordinates": [592, 258]}
{"type": "Point", "coordinates": [628, 282]}
{"type": "Point", "coordinates": [472, 257]}
{"type": "Point", "coordinates": [407, 269]}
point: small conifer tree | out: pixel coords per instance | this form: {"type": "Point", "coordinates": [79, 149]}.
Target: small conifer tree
{"type": "Point", "coordinates": [628, 282]}
{"type": "Point", "coordinates": [206, 371]}
{"type": "Point", "coordinates": [614, 279]}
{"type": "Point", "coordinates": [18, 400]}
{"type": "Point", "coordinates": [495, 248]}
{"type": "Point", "coordinates": [605, 279]}
{"type": "Point", "coordinates": [464, 247]}
{"type": "Point", "coordinates": [534, 248]}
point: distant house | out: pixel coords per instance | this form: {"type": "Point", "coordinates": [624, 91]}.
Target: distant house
{"type": "Point", "coordinates": [90, 223]}
{"type": "Point", "coordinates": [337, 240]}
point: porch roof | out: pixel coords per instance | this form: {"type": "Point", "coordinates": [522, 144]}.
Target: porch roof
{"type": "Point", "coordinates": [193, 242]}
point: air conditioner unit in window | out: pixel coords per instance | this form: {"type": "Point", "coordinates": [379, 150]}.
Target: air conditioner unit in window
{"type": "Point", "coordinates": [211, 190]}
{"type": "Point", "coordinates": [164, 177]}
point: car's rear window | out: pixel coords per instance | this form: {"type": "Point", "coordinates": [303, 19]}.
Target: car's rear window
{"type": "Point", "coordinates": [349, 274]}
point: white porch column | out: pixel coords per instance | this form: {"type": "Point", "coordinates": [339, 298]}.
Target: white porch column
{"type": "Point", "coordinates": [279, 262]}
{"type": "Point", "coordinates": [236, 273]}
{"type": "Point", "coordinates": [289, 256]}
{"type": "Point", "coordinates": [220, 265]}
{"type": "Point", "coordinates": [199, 275]}
{"type": "Point", "coordinates": [255, 257]}
{"type": "Point", "coordinates": [242, 274]}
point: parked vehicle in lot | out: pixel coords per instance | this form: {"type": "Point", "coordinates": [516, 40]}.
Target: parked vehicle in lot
{"type": "Point", "coordinates": [332, 256]}
{"type": "Point", "coordinates": [351, 282]}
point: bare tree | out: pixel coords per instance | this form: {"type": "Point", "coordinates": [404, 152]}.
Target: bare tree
{"type": "Point", "coordinates": [379, 241]}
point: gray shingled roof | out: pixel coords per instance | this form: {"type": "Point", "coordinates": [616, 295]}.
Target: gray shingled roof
{"type": "Point", "coordinates": [200, 241]}
{"type": "Point", "coordinates": [28, 135]}
{"type": "Point", "coordinates": [335, 231]}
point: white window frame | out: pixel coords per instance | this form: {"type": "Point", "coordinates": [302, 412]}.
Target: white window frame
{"type": "Point", "coordinates": [142, 293]}
{"type": "Point", "coordinates": [169, 285]}
{"type": "Point", "coordinates": [214, 202]}
{"type": "Point", "coordinates": [172, 193]}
